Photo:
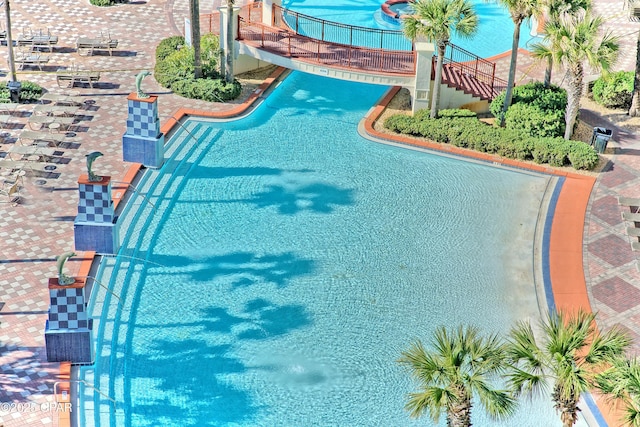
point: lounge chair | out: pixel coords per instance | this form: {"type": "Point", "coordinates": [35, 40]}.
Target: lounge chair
{"type": "Point", "coordinates": [70, 77]}
{"type": "Point", "coordinates": [20, 165]}
{"type": "Point", "coordinates": [10, 190]}
{"type": "Point", "coordinates": [41, 121]}
{"type": "Point", "coordinates": [8, 107]}
{"type": "Point", "coordinates": [30, 59]}
{"type": "Point", "coordinates": [86, 45]}
{"type": "Point", "coordinates": [43, 41]}
{"type": "Point", "coordinates": [633, 231]}
{"type": "Point", "coordinates": [56, 110]}
{"type": "Point", "coordinates": [35, 136]}
{"type": "Point", "coordinates": [5, 119]}
{"type": "Point", "coordinates": [629, 201]}
{"type": "Point", "coordinates": [630, 216]}
{"type": "Point", "coordinates": [61, 99]}
{"type": "Point", "coordinates": [32, 152]}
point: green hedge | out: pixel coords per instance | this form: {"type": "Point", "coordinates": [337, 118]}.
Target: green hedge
{"type": "Point", "coordinates": [476, 135]}
{"type": "Point", "coordinates": [107, 2]}
{"type": "Point", "coordinates": [535, 110]}
{"type": "Point", "coordinates": [614, 90]}
{"type": "Point", "coordinates": [174, 70]}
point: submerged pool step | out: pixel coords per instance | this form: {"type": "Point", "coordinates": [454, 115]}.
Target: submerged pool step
{"type": "Point", "coordinates": [155, 188]}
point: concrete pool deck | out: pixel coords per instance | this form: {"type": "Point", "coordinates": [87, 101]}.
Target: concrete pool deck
{"type": "Point", "coordinates": [40, 228]}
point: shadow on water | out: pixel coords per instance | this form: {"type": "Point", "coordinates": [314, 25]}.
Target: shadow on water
{"type": "Point", "coordinates": [192, 378]}
{"type": "Point", "coordinates": [318, 198]}
{"type": "Point", "coordinates": [241, 268]}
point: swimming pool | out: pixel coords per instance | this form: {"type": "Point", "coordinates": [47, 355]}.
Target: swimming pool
{"type": "Point", "coordinates": [281, 263]}
{"type": "Point", "coordinates": [494, 36]}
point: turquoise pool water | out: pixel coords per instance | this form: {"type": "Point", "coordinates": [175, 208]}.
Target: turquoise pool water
{"type": "Point", "coordinates": [280, 263]}
{"type": "Point", "coordinates": [494, 36]}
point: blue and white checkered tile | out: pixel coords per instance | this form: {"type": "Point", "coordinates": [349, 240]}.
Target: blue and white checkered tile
{"type": "Point", "coordinates": [142, 119]}
{"type": "Point", "coordinates": [67, 309]}
{"type": "Point", "coordinates": [95, 203]}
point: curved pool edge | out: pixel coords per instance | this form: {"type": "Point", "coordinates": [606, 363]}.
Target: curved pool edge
{"type": "Point", "coordinates": [564, 239]}
{"type": "Point", "coordinates": [562, 258]}
{"type": "Point", "coordinates": [121, 189]}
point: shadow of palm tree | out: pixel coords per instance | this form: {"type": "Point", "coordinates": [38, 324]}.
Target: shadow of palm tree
{"type": "Point", "coordinates": [19, 379]}
{"type": "Point", "coordinates": [190, 382]}
{"type": "Point", "coordinates": [319, 198]}
{"type": "Point", "coordinates": [243, 268]}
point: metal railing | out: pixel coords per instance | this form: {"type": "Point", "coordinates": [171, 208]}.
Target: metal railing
{"type": "Point", "coordinates": [337, 33]}
{"type": "Point", "coordinates": [473, 66]}
{"type": "Point", "coordinates": [210, 22]}
{"type": "Point", "coordinates": [288, 44]}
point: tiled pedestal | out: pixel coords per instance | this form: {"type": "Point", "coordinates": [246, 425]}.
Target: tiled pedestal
{"type": "Point", "coordinates": [143, 142]}
{"type": "Point", "coordinates": [68, 331]}
{"type": "Point", "coordinates": [95, 227]}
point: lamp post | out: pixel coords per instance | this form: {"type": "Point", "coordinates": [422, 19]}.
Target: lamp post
{"type": "Point", "coordinates": [12, 65]}
{"type": "Point", "coordinates": [13, 85]}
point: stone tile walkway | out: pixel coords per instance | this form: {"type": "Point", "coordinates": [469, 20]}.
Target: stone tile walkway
{"type": "Point", "coordinates": [40, 228]}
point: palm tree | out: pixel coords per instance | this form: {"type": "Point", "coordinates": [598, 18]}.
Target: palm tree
{"type": "Point", "coordinates": [437, 20]}
{"type": "Point", "coordinates": [520, 11]}
{"type": "Point", "coordinates": [635, 100]}
{"type": "Point", "coordinates": [567, 354]}
{"type": "Point", "coordinates": [622, 382]}
{"type": "Point", "coordinates": [556, 9]}
{"type": "Point", "coordinates": [460, 367]}
{"type": "Point", "coordinates": [228, 75]}
{"type": "Point", "coordinates": [576, 40]}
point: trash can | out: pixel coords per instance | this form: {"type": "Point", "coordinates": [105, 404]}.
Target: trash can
{"type": "Point", "coordinates": [14, 91]}
{"type": "Point", "coordinates": [600, 138]}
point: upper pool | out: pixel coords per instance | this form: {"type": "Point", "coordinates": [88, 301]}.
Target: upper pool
{"type": "Point", "coordinates": [280, 263]}
{"type": "Point", "coordinates": [494, 36]}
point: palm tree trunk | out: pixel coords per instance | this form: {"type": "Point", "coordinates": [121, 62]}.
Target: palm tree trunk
{"type": "Point", "coordinates": [547, 73]}
{"type": "Point", "coordinates": [635, 100]}
{"type": "Point", "coordinates": [512, 71]}
{"type": "Point", "coordinates": [195, 37]}
{"type": "Point", "coordinates": [460, 414]}
{"type": "Point", "coordinates": [435, 98]}
{"type": "Point", "coordinates": [566, 406]}
{"type": "Point", "coordinates": [230, 42]}
{"type": "Point", "coordinates": [574, 93]}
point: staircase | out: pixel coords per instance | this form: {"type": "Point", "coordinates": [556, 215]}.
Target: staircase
{"type": "Point", "coordinates": [469, 73]}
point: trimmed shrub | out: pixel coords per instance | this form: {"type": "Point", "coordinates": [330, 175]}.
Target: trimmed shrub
{"type": "Point", "coordinates": [533, 121]}
{"type": "Point", "coordinates": [461, 112]}
{"type": "Point", "coordinates": [175, 70]}
{"type": "Point", "coordinates": [207, 90]}
{"type": "Point", "coordinates": [472, 133]}
{"type": "Point", "coordinates": [614, 90]}
{"type": "Point", "coordinates": [583, 156]}
{"type": "Point", "coordinates": [401, 123]}
{"type": "Point", "coordinates": [107, 2]}
{"type": "Point", "coordinates": [168, 46]}
{"type": "Point", "coordinates": [535, 110]}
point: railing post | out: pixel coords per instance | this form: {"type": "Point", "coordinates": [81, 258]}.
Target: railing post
{"type": "Point", "coordinates": [297, 24]}
{"type": "Point", "coordinates": [493, 75]}
{"type": "Point", "coordinates": [262, 37]}
{"type": "Point", "coordinates": [273, 15]}
{"type": "Point", "coordinates": [322, 30]}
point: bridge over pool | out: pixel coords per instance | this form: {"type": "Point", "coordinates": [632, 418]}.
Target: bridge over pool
{"type": "Point", "coordinates": [267, 33]}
